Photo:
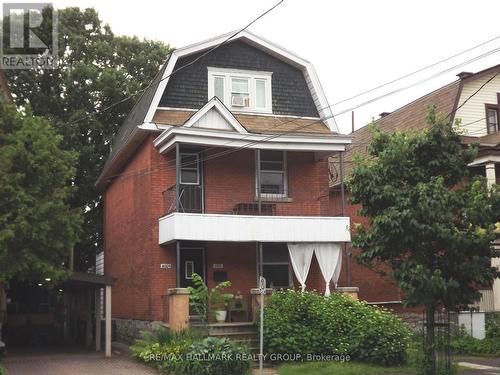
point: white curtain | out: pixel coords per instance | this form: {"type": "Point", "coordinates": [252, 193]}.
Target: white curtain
{"type": "Point", "coordinates": [301, 256]}
{"type": "Point", "coordinates": [328, 255]}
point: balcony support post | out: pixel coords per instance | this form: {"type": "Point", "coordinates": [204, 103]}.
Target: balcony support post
{"type": "Point", "coordinates": [257, 167]}
{"type": "Point", "coordinates": [259, 205]}
{"type": "Point", "coordinates": [342, 198]}
{"type": "Point", "coordinates": [177, 176]}
{"type": "Point", "coordinates": [178, 264]}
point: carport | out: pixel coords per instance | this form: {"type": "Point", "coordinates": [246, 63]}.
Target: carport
{"type": "Point", "coordinates": [80, 286]}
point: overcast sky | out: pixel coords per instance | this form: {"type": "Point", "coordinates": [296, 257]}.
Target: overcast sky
{"type": "Point", "coordinates": [354, 45]}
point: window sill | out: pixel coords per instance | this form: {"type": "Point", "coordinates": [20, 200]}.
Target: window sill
{"type": "Point", "coordinates": [275, 199]}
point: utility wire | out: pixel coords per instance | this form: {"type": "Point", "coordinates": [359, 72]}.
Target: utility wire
{"type": "Point", "coordinates": [295, 130]}
{"type": "Point", "coordinates": [417, 71]}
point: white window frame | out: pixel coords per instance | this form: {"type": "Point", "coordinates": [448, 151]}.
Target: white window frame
{"type": "Point", "coordinates": [197, 168]}
{"type": "Point", "coordinates": [190, 262]}
{"type": "Point", "coordinates": [252, 77]}
{"type": "Point", "coordinates": [285, 178]}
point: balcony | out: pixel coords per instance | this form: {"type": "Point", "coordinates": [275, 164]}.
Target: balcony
{"type": "Point", "coordinates": [276, 218]}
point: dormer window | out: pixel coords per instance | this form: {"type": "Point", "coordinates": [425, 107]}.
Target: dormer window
{"type": "Point", "coordinates": [241, 90]}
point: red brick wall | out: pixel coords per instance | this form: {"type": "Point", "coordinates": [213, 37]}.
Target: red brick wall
{"type": "Point", "coordinates": [134, 203]}
{"type": "Point", "coordinates": [230, 180]}
{"type": "Point", "coordinates": [372, 286]}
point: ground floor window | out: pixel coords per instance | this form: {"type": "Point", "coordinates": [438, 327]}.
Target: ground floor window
{"type": "Point", "coordinates": [276, 265]}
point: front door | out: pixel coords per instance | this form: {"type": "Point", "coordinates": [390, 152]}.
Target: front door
{"type": "Point", "coordinates": [192, 260]}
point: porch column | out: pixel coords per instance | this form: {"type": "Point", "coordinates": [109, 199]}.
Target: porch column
{"type": "Point", "coordinates": [490, 174]}
{"type": "Point", "coordinates": [98, 319]}
{"type": "Point", "coordinates": [350, 291]}
{"type": "Point", "coordinates": [256, 301]}
{"type": "Point", "coordinates": [178, 308]}
{"type": "Point", "coordinates": [495, 262]}
{"type": "Point", "coordinates": [108, 321]}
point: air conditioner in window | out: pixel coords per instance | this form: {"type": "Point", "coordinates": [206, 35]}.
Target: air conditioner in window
{"type": "Point", "coordinates": [238, 100]}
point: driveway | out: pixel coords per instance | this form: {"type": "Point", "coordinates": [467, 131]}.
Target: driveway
{"type": "Point", "coordinates": [479, 365]}
{"type": "Point", "coordinates": [73, 363]}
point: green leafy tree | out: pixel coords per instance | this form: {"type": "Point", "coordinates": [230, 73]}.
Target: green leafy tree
{"type": "Point", "coordinates": [427, 221]}
{"type": "Point", "coordinates": [96, 70]}
{"type": "Point", "coordinates": [38, 228]}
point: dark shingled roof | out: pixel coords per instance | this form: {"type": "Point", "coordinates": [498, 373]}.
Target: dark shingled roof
{"type": "Point", "coordinates": [135, 118]}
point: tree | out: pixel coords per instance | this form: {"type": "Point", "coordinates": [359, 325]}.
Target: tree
{"type": "Point", "coordinates": [430, 224]}
{"type": "Point", "coordinates": [38, 228]}
{"type": "Point", "coordinates": [96, 69]}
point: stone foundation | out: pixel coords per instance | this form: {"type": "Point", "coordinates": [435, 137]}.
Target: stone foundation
{"type": "Point", "coordinates": [127, 330]}
{"type": "Point", "coordinates": [413, 320]}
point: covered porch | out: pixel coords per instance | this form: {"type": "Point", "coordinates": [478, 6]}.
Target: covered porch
{"type": "Point", "coordinates": [303, 266]}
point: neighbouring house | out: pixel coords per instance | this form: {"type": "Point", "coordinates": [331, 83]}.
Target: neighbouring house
{"type": "Point", "coordinates": [221, 169]}
{"type": "Point", "coordinates": [474, 99]}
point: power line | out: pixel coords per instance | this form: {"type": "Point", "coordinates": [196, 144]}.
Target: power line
{"type": "Point", "coordinates": [270, 137]}
{"type": "Point", "coordinates": [418, 70]}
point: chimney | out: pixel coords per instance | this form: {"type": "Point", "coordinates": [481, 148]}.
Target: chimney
{"type": "Point", "coordinates": [463, 75]}
{"type": "Point", "coordinates": [383, 114]}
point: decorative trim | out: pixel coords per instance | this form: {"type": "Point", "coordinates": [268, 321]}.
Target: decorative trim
{"type": "Point", "coordinates": [219, 106]}
{"type": "Point", "coordinates": [242, 113]}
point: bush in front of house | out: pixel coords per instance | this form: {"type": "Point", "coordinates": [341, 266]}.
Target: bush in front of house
{"type": "Point", "coordinates": [186, 353]}
{"type": "Point", "coordinates": [308, 323]}
{"type": "Point", "coordinates": [463, 343]}
{"type": "Point", "coordinates": [213, 356]}
{"type": "Point", "coordinates": [2, 370]}
{"type": "Point", "coordinates": [162, 345]}
{"type": "Point", "coordinates": [493, 327]}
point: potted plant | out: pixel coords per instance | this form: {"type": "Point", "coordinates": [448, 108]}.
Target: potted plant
{"type": "Point", "coordinates": [213, 302]}
{"type": "Point", "coordinates": [219, 301]}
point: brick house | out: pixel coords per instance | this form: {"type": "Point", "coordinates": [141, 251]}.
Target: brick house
{"type": "Point", "coordinates": [220, 168]}
{"type": "Point", "coordinates": [474, 98]}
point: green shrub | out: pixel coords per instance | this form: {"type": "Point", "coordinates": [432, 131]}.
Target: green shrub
{"type": "Point", "coordinates": [2, 370]}
{"type": "Point", "coordinates": [155, 348]}
{"type": "Point", "coordinates": [308, 323]}
{"type": "Point", "coordinates": [493, 327]}
{"type": "Point", "coordinates": [186, 353]}
{"type": "Point", "coordinates": [465, 344]}
{"type": "Point", "coordinates": [212, 356]}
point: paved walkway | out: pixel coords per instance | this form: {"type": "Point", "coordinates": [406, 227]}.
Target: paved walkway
{"type": "Point", "coordinates": [479, 365]}
{"type": "Point", "coordinates": [79, 363]}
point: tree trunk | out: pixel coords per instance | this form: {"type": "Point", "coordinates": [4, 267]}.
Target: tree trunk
{"type": "Point", "coordinates": [430, 341]}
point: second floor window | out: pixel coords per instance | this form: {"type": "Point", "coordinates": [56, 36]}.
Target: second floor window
{"type": "Point", "coordinates": [273, 173]}
{"type": "Point", "coordinates": [492, 119]}
{"type": "Point", "coordinates": [241, 90]}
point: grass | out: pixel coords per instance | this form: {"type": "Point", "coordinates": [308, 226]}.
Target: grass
{"type": "Point", "coordinates": [339, 368]}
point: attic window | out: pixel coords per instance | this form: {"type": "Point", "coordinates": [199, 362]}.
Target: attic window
{"type": "Point", "coordinates": [241, 90]}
